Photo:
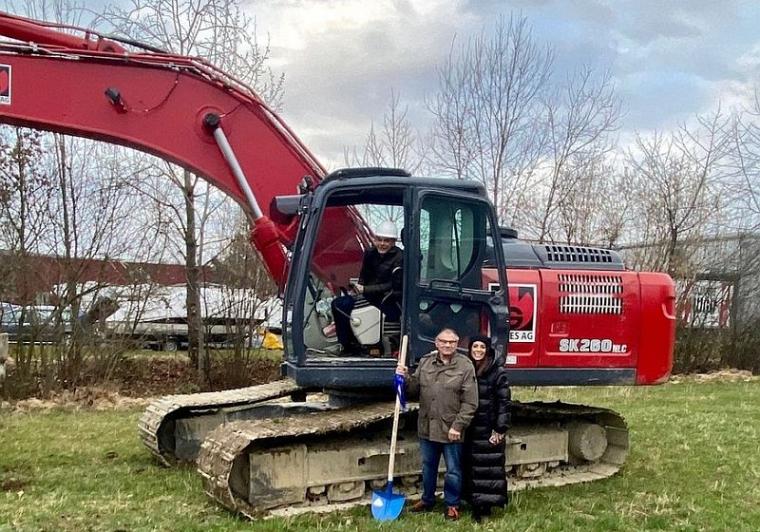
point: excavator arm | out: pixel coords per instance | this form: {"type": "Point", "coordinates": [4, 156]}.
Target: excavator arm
{"type": "Point", "coordinates": [180, 109]}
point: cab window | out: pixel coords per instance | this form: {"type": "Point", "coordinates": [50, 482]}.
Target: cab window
{"type": "Point", "coordinates": [454, 240]}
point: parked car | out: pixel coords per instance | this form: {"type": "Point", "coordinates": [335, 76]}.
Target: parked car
{"type": "Point", "coordinates": [34, 323]}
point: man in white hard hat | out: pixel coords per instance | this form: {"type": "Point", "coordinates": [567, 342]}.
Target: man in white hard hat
{"type": "Point", "coordinates": [379, 283]}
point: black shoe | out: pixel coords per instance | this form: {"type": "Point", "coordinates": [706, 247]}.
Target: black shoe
{"type": "Point", "coordinates": [478, 513]}
{"type": "Point", "coordinates": [350, 350]}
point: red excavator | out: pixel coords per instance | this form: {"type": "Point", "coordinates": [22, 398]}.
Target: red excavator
{"type": "Point", "coordinates": [559, 314]}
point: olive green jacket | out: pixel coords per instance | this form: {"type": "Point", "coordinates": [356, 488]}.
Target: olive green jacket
{"type": "Point", "coordinates": [448, 395]}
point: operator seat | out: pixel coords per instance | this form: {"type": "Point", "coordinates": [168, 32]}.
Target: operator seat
{"type": "Point", "coordinates": [373, 330]}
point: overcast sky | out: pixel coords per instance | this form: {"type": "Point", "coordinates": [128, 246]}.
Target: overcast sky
{"type": "Point", "coordinates": [341, 58]}
{"type": "Point", "coordinates": [669, 60]}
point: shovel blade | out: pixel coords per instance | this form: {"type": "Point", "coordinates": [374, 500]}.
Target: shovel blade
{"type": "Point", "coordinates": [386, 505]}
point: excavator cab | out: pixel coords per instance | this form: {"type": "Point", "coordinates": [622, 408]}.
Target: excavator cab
{"type": "Point", "coordinates": [448, 236]}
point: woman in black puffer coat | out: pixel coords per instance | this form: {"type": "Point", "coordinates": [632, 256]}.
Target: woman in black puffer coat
{"type": "Point", "coordinates": [485, 480]}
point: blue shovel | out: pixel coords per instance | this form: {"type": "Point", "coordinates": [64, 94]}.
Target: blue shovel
{"type": "Point", "coordinates": [386, 505]}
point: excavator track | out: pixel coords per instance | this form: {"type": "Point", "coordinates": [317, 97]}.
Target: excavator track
{"type": "Point", "coordinates": [224, 460]}
{"type": "Point", "coordinates": [331, 460]}
{"type": "Point", "coordinates": [597, 444]}
{"type": "Point", "coordinates": [158, 424]}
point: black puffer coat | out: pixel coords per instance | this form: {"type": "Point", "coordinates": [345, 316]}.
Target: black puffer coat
{"type": "Point", "coordinates": [485, 480]}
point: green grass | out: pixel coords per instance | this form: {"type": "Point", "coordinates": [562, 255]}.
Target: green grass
{"type": "Point", "coordinates": [694, 465]}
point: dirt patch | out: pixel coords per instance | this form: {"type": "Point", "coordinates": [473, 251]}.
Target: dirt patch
{"type": "Point", "coordinates": [144, 377]}
{"type": "Point", "coordinates": [13, 484]}
{"type": "Point", "coordinates": [724, 375]}
{"type": "Point", "coordinates": [140, 379]}
{"type": "Point", "coordinates": [148, 376]}
{"type": "Point", "coordinates": [94, 398]}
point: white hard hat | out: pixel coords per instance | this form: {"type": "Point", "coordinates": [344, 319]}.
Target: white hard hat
{"type": "Point", "coordinates": [387, 229]}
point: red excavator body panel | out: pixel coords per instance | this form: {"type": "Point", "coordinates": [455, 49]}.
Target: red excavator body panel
{"type": "Point", "coordinates": [584, 319]}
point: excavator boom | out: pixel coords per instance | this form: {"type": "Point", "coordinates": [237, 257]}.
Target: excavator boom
{"type": "Point", "coordinates": [49, 34]}
{"type": "Point", "coordinates": [170, 106]}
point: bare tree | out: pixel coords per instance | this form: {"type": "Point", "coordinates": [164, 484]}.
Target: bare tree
{"type": "Point", "coordinates": [24, 193]}
{"type": "Point", "coordinates": [744, 213]}
{"type": "Point", "coordinates": [595, 206]}
{"type": "Point", "coordinates": [498, 120]}
{"type": "Point", "coordinates": [746, 161]}
{"type": "Point", "coordinates": [87, 214]}
{"type": "Point", "coordinates": [56, 202]}
{"type": "Point", "coordinates": [65, 203]}
{"type": "Point", "coordinates": [579, 119]}
{"type": "Point", "coordinates": [219, 31]}
{"type": "Point", "coordinates": [245, 293]}
{"type": "Point", "coordinates": [487, 111]}
{"type": "Point", "coordinates": [216, 30]}
{"type": "Point", "coordinates": [25, 187]}
{"type": "Point", "coordinates": [678, 180]}
{"type": "Point", "coordinates": [395, 145]}
{"type": "Point", "coordinates": [64, 11]}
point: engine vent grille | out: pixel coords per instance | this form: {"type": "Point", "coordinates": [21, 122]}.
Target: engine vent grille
{"type": "Point", "coordinates": [591, 294]}
{"type": "Point", "coordinates": [561, 253]}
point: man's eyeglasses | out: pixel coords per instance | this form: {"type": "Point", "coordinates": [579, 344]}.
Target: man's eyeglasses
{"type": "Point", "coordinates": [451, 342]}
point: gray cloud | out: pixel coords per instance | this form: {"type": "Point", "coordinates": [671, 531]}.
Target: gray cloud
{"type": "Point", "coordinates": [669, 60]}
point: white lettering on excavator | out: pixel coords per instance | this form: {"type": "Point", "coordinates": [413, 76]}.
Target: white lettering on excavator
{"type": "Point", "coordinates": [521, 336]}
{"type": "Point", "coordinates": [591, 345]}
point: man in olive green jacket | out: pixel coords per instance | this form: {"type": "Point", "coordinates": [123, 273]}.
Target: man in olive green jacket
{"type": "Point", "coordinates": [448, 391]}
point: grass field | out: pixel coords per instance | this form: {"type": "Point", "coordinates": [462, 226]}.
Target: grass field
{"type": "Point", "coordinates": [694, 465]}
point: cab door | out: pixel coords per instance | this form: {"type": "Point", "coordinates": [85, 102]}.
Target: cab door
{"type": "Point", "coordinates": [454, 235]}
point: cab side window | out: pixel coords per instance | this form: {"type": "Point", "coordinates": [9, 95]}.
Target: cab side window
{"type": "Point", "coordinates": [454, 239]}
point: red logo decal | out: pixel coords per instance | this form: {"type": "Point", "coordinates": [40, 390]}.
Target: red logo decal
{"type": "Point", "coordinates": [521, 303]}
{"type": "Point", "coordinates": [522, 312]}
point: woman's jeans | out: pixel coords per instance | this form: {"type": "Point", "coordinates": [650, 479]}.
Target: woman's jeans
{"type": "Point", "coordinates": [431, 457]}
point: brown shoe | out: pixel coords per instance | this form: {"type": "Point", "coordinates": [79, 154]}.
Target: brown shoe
{"type": "Point", "coordinates": [452, 513]}
{"type": "Point", "coordinates": [420, 507]}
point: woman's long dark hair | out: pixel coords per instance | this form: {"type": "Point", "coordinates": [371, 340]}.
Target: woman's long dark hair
{"type": "Point", "coordinates": [480, 366]}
